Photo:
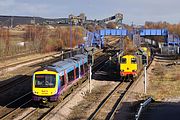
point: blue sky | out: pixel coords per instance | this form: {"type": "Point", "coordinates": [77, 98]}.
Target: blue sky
{"type": "Point", "coordinates": [136, 11]}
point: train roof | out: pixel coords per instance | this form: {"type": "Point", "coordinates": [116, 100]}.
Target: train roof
{"type": "Point", "coordinates": [81, 55]}
{"type": "Point", "coordinates": [66, 63]}
{"type": "Point", "coordinates": [128, 56]}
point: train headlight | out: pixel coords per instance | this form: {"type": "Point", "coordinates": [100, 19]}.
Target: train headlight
{"type": "Point", "coordinates": [54, 92]}
{"type": "Point", "coordinates": [35, 92]}
{"type": "Point", "coordinates": [44, 100]}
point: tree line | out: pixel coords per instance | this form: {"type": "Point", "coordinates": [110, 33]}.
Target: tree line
{"type": "Point", "coordinates": [40, 38]}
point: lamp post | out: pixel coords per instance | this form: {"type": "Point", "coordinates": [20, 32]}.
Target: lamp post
{"type": "Point", "coordinates": [71, 34]}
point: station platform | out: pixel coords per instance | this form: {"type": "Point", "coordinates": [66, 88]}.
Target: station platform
{"type": "Point", "coordinates": [161, 111]}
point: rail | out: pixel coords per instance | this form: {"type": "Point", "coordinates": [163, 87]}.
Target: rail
{"type": "Point", "coordinates": [104, 101]}
{"type": "Point", "coordinates": [21, 101]}
{"type": "Point", "coordinates": [166, 57]}
{"type": "Point", "coordinates": [58, 55]}
{"type": "Point", "coordinates": [119, 101]}
{"type": "Point", "coordinates": [143, 105]}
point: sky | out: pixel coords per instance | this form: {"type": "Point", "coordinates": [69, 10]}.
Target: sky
{"type": "Point", "coordinates": [136, 11]}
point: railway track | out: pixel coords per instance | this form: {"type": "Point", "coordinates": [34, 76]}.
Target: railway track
{"type": "Point", "coordinates": [101, 60]}
{"type": "Point", "coordinates": [11, 110]}
{"type": "Point", "coordinates": [13, 83]}
{"type": "Point", "coordinates": [107, 108]}
{"type": "Point", "coordinates": [28, 61]}
{"type": "Point", "coordinates": [165, 57]}
{"type": "Point", "coordinates": [41, 59]}
{"type": "Point", "coordinates": [37, 113]}
{"type": "Point", "coordinates": [18, 55]}
{"type": "Point", "coordinates": [25, 76]}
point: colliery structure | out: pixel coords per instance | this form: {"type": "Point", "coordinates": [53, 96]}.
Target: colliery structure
{"type": "Point", "coordinates": [12, 21]}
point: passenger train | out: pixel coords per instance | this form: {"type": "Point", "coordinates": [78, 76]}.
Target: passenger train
{"type": "Point", "coordinates": [53, 80]}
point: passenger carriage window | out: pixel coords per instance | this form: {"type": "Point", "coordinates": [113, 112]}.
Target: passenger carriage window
{"type": "Point", "coordinates": [86, 67]}
{"type": "Point", "coordinates": [123, 60]}
{"type": "Point", "coordinates": [133, 60]}
{"type": "Point", "coordinates": [62, 80]}
{"type": "Point", "coordinates": [77, 72]}
{"type": "Point", "coordinates": [71, 76]}
{"type": "Point", "coordinates": [81, 67]}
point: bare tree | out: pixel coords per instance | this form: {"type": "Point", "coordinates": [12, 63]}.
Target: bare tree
{"type": "Point", "coordinates": [111, 25]}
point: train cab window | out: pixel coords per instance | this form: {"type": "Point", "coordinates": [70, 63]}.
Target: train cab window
{"type": "Point", "coordinates": [123, 60]}
{"type": "Point", "coordinates": [133, 60]}
{"type": "Point", "coordinates": [71, 75]}
{"type": "Point", "coordinates": [62, 80]}
{"type": "Point", "coordinates": [45, 80]}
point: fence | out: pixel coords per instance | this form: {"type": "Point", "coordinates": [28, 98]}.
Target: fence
{"type": "Point", "coordinates": [143, 105]}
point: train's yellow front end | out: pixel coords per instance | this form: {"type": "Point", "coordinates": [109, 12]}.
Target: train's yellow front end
{"type": "Point", "coordinates": [128, 66]}
{"type": "Point", "coordinates": [45, 86]}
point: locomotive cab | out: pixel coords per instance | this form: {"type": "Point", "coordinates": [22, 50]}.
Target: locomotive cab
{"type": "Point", "coordinates": [128, 65]}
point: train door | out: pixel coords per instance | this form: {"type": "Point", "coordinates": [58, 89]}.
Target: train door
{"type": "Point", "coordinates": [79, 67]}
{"type": "Point", "coordinates": [86, 67]}
{"type": "Point", "coordinates": [75, 73]}
{"type": "Point", "coordinates": [83, 67]}
{"type": "Point", "coordinates": [65, 78]}
{"type": "Point", "coordinates": [63, 82]}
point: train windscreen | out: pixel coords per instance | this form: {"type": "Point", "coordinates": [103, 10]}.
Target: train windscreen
{"type": "Point", "coordinates": [123, 60]}
{"type": "Point", "coordinates": [133, 60]}
{"type": "Point", "coordinates": [45, 81]}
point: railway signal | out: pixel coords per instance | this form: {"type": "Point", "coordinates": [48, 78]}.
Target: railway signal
{"type": "Point", "coordinates": [90, 75]}
{"type": "Point", "coordinates": [145, 79]}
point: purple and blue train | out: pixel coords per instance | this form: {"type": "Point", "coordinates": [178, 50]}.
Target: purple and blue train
{"type": "Point", "coordinates": [53, 80]}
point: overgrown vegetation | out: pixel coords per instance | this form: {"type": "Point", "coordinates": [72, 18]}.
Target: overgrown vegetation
{"type": "Point", "coordinates": [39, 39]}
{"type": "Point", "coordinates": [129, 48]}
{"type": "Point", "coordinates": [164, 82]}
{"type": "Point", "coordinates": [172, 28]}
{"type": "Point", "coordinates": [111, 25]}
